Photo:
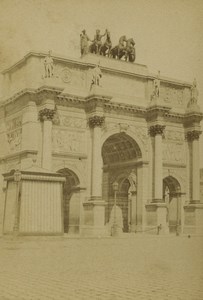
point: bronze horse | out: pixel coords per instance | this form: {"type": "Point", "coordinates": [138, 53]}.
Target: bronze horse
{"type": "Point", "coordinates": [128, 52]}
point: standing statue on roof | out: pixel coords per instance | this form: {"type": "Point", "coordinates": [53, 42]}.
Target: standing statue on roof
{"type": "Point", "coordinates": [156, 83]}
{"type": "Point", "coordinates": [194, 92]}
{"type": "Point", "coordinates": [84, 39]}
{"type": "Point", "coordinates": [49, 65]}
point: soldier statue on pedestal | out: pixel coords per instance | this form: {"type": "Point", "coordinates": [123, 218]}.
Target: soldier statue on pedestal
{"type": "Point", "coordinates": [49, 65]}
{"type": "Point", "coordinates": [96, 75]}
{"type": "Point", "coordinates": [194, 92]}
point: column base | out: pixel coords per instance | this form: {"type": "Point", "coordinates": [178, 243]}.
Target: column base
{"type": "Point", "coordinates": [195, 202]}
{"type": "Point", "coordinates": [94, 218]}
{"type": "Point", "coordinates": [158, 200]}
{"type": "Point", "coordinates": [156, 218]}
{"type": "Point", "coordinates": [193, 221]}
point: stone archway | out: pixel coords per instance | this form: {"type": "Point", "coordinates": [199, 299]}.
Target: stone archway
{"type": "Point", "coordinates": [173, 203]}
{"type": "Point", "coordinates": [71, 201]}
{"type": "Point", "coordinates": [120, 154]}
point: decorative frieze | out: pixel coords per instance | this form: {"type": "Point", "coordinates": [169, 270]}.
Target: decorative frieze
{"type": "Point", "coordinates": [96, 121]}
{"type": "Point", "coordinates": [156, 129]}
{"type": "Point", "coordinates": [14, 133]}
{"type": "Point", "coordinates": [193, 135]}
{"type": "Point", "coordinates": [173, 135]}
{"type": "Point", "coordinates": [66, 75]}
{"type": "Point", "coordinates": [68, 141]}
{"type": "Point", "coordinates": [172, 94]}
{"type": "Point", "coordinates": [14, 124]}
{"type": "Point", "coordinates": [73, 122]}
{"type": "Point", "coordinates": [173, 153]}
{"type": "Point", "coordinates": [46, 114]}
{"type": "Point", "coordinates": [14, 140]}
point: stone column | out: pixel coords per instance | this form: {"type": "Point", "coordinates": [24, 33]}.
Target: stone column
{"type": "Point", "coordinates": [193, 137]}
{"type": "Point", "coordinates": [157, 209]}
{"type": "Point", "coordinates": [96, 188]}
{"type": "Point", "coordinates": [156, 131]}
{"type": "Point", "coordinates": [95, 123]}
{"type": "Point", "coordinates": [46, 116]}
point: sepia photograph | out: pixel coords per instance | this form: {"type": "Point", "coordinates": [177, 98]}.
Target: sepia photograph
{"type": "Point", "coordinates": [101, 150]}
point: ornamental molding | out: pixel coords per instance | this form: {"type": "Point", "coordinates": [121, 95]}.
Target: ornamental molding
{"type": "Point", "coordinates": [125, 108]}
{"type": "Point", "coordinates": [66, 75]}
{"type": "Point", "coordinates": [94, 102]}
{"type": "Point", "coordinates": [172, 95]}
{"type": "Point", "coordinates": [66, 141]}
{"type": "Point", "coordinates": [46, 114]}
{"type": "Point", "coordinates": [73, 122]}
{"type": "Point", "coordinates": [193, 118]}
{"type": "Point", "coordinates": [156, 129]}
{"type": "Point", "coordinates": [36, 95]}
{"type": "Point", "coordinates": [193, 135]}
{"type": "Point", "coordinates": [96, 121]}
{"type": "Point", "coordinates": [174, 135]}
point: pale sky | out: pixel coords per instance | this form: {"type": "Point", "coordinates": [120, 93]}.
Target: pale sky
{"type": "Point", "coordinates": [168, 34]}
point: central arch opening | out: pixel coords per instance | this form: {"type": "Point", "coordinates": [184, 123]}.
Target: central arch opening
{"type": "Point", "coordinates": [120, 154]}
{"type": "Point", "coordinates": [120, 148]}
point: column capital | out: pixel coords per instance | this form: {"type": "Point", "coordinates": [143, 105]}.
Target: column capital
{"type": "Point", "coordinates": [96, 121]}
{"type": "Point", "coordinates": [156, 129]}
{"type": "Point", "coordinates": [46, 114]}
{"type": "Point", "coordinates": [193, 135]}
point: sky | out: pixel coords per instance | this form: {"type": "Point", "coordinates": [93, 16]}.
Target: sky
{"type": "Point", "coordinates": [168, 34]}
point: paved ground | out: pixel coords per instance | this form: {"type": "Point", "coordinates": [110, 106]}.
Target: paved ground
{"type": "Point", "coordinates": [138, 267]}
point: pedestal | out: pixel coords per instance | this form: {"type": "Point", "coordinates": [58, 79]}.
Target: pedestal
{"type": "Point", "coordinates": [193, 219]}
{"type": "Point", "coordinates": [94, 218]}
{"type": "Point", "coordinates": [156, 218]}
{"type": "Point", "coordinates": [33, 204]}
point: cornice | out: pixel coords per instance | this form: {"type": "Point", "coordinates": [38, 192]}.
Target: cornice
{"type": "Point", "coordinates": [92, 101]}
{"type": "Point", "coordinates": [70, 100]}
{"type": "Point", "coordinates": [121, 107]}
{"type": "Point", "coordinates": [35, 94]}
{"type": "Point", "coordinates": [22, 153]}
{"type": "Point", "coordinates": [193, 117]}
{"type": "Point", "coordinates": [87, 64]}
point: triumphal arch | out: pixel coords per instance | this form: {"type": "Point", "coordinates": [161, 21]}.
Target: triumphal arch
{"type": "Point", "coordinates": [98, 146]}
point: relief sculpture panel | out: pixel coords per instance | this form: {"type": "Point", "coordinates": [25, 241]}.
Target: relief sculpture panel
{"type": "Point", "coordinates": [173, 153]}
{"type": "Point", "coordinates": [172, 95]}
{"type": "Point", "coordinates": [14, 133]}
{"type": "Point", "coordinates": [72, 122]}
{"type": "Point", "coordinates": [174, 147]}
{"type": "Point", "coordinates": [68, 141]}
